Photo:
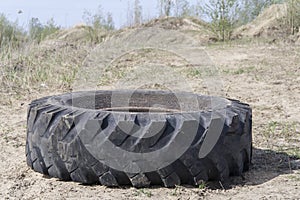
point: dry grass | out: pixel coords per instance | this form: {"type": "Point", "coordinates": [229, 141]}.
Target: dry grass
{"type": "Point", "coordinates": [38, 68]}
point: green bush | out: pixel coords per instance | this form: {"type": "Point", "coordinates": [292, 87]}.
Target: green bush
{"type": "Point", "coordinates": [98, 24]}
{"type": "Point", "coordinates": [11, 35]}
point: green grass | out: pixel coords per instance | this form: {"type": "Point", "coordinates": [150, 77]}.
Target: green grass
{"type": "Point", "coordinates": [241, 70]}
{"type": "Point", "coordinates": [294, 152]}
{"type": "Point", "coordinates": [243, 41]}
{"type": "Point", "coordinates": [143, 191]}
{"type": "Point", "coordinates": [193, 73]}
{"type": "Point", "coordinates": [295, 177]}
{"type": "Point", "coordinates": [146, 192]}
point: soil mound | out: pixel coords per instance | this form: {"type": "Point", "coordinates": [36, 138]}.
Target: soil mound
{"type": "Point", "coordinates": [270, 23]}
{"type": "Point", "coordinates": [194, 27]}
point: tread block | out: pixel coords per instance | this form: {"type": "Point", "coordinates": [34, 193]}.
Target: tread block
{"type": "Point", "coordinates": [38, 161]}
{"type": "Point", "coordinates": [84, 175]}
{"type": "Point", "coordinates": [172, 180]}
{"type": "Point", "coordinates": [196, 168]}
{"type": "Point", "coordinates": [100, 169]}
{"type": "Point", "coordinates": [200, 178]}
{"type": "Point", "coordinates": [140, 180]}
{"type": "Point", "coordinates": [108, 179]}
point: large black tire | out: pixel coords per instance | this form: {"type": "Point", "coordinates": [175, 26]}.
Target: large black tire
{"type": "Point", "coordinates": [55, 145]}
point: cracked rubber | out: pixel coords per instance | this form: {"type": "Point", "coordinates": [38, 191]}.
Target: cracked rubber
{"type": "Point", "coordinates": [54, 146]}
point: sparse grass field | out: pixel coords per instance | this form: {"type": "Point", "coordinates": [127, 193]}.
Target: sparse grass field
{"type": "Point", "coordinates": [267, 76]}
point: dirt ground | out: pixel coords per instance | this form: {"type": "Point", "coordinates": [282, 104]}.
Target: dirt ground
{"type": "Point", "coordinates": [267, 76]}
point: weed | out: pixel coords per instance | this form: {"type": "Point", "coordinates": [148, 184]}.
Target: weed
{"type": "Point", "coordinates": [281, 129]}
{"type": "Point", "coordinates": [286, 133]}
{"type": "Point", "coordinates": [175, 191]}
{"type": "Point", "coordinates": [193, 73]}
{"type": "Point", "coordinates": [293, 152]}
{"type": "Point", "coordinates": [146, 192]}
{"type": "Point", "coordinates": [241, 70]}
{"type": "Point", "coordinates": [202, 185]}
{"type": "Point", "coordinates": [295, 177]}
{"type": "Point", "coordinates": [68, 78]}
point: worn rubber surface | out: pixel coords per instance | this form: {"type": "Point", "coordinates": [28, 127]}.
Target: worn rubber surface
{"type": "Point", "coordinates": [61, 138]}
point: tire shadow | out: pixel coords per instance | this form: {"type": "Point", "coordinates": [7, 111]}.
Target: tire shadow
{"type": "Point", "coordinates": [266, 165]}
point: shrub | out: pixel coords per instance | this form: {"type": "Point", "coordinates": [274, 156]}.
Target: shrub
{"type": "Point", "coordinates": [11, 35]}
{"type": "Point", "coordinates": [39, 31]}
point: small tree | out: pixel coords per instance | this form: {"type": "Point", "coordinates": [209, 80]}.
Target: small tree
{"type": "Point", "coordinates": [97, 23]}
{"type": "Point", "coordinates": [222, 16]}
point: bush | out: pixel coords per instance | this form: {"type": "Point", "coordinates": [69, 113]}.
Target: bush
{"type": "Point", "coordinates": [98, 20]}
{"type": "Point", "coordinates": [38, 31]}
{"type": "Point", "coordinates": [11, 35]}
{"type": "Point", "coordinates": [97, 24]}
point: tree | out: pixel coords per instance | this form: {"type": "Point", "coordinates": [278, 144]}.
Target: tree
{"type": "Point", "coordinates": [222, 16]}
{"type": "Point", "coordinates": [109, 23]}
{"type": "Point", "coordinates": [182, 8]}
{"type": "Point", "coordinates": [130, 14]}
{"type": "Point", "coordinates": [178, 8]}
{"type": "Point", "coordinates": [293, 15]}
{"type": "Point", "coordinates": [137, 12]}
{"type": "Point", "coordinates": [165, 7]}
{"type": "Point", "coordinates": [98, 20]}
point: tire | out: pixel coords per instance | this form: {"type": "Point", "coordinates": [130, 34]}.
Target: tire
{"type": "Point", "coordinates": [64, 134]}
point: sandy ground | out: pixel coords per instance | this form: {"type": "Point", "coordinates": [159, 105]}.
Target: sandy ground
{"type": "Point", "coordinates": [265, 76]}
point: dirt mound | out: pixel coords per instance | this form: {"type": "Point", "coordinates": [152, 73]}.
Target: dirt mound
{"type": "Point", "coordinates": [196, 28]}
{"type": "Point", "coordinates": [177, 23]}
{"type": "Point", "coordinates": [72, 39]}
{"type": "Point", "coordinates": [77, 34]}
{"type": "Point", "coordinates": [270, 23]}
